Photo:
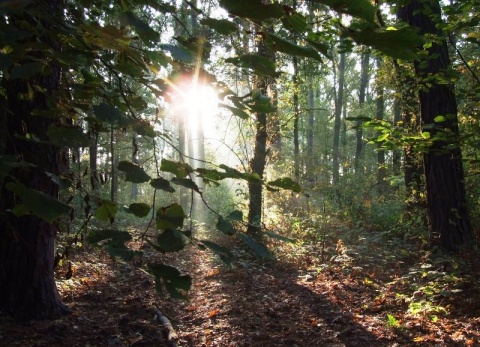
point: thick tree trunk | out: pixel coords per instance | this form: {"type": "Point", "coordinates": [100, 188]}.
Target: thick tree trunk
{"type": "Point", "coordinates": [446, 197]}
{"type": "Point", "coordinates": [27, 284]}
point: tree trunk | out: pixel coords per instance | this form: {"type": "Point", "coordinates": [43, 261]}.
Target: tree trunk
{"type": "Point", "coordinates": [296, 115]}
{"type": "Point", "coordinates": [113, 166]}
{"type": "Point", "coordinates": [396, 155]}
{"type": "Point", "coordinates": [27, 284]}
{"type": "Point", "coordinates": [337, 124]}
{"type": "Point", "coordinates": [446, 197]}
{"type": "Point", "coordinates": [134, 191]}
{"type": "Point", "coordinates": [257, 163]}
{"type": "Point", "coordinates": [361, 100]}
{"type": "Point", "coordinates": [380, 110]}
{"type": "Point", "coordinates": [93, 154]}
{"type": "Point", "coordinates": [311, 124]}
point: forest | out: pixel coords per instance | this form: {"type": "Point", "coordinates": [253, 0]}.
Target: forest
{"type": "Point", "coordinates": [239, 173]}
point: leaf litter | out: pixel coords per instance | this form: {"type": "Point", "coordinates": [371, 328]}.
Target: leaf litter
{"type": "Point", "coordinates": [372, 290]}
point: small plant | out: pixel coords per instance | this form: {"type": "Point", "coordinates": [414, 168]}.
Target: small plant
{"type": "Point", "coordinates": [393, 322]}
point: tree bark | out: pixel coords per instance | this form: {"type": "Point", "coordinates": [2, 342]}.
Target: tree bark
{"type": "Point", "coordinates": [113, 166]}
{"type": "Point", "coordinates": [446, 198]}
{"type": "Point", "coordinates": [396, 155]}
{"type": "Point", "coordinates": [337, 124]}
{"type": "Point", "coordinates": [380, 110]}
{"type": "Point", "coordinates": [258, 162]}
{"type": "Point", "coordinates": [296, 115]}
{"type": "Point", "coordinates": [361, 100]}
{"type": "Point", "coordinates": [134, 191]}
{"type": "Point", "coordinates": [311, 124]}
{"type": "Point", "coordinates": [27, 284]}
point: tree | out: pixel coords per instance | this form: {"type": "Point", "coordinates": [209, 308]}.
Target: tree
{"type": "Point", "coordinates": [27, 284]}
{"type": "Point", "coordinates": [364, 77]}
{"type": "Point", "coordinates": [258, 162]}
{"type": "Point", "coordinates": [379, 114]}
{"type": "Point", "coordinates": [446, 197]}
{"type": "Point", "coordinates": [338, 115]}
{"type": "Point", "coordinates": [49, 94]}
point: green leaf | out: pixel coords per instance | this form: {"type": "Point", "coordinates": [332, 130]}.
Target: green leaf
{"type": "Point", "coordinates": [425, 135]}
{"type": "Point", "coordinates": [187, 183]}
{"type": "Point", "coordinates": [225, 226]}
{"type": "Point", "coordinates": [383, 137]}
{"type": "Point", "coordinates": [177, 168]}
{"type": "Point", "coordinates": [120, 250]}
{"type": "Point", "coordinates": [143, 128]}
{"type": "Point", "coordinates": [295, 22]}
{"type": "Point", "coordinates": [392, 321]}
{"type": "Point", "coordinates": [236, 111]}
{"type": "Point", "coordinates": [38, 203]}
{"type": "Point", "coordinates": [253, 9]}
{"type": "Point", "coordinates": [235, 215]}
{"type": "Point", "coordinates": [223, 252]}
{"type": "Point", "coordinates": [262, 104]}
{"type": "Point", "coordinates": [177, 285]}
{"type": "Point", "coordinates": [134, 173]}
{"type": "Point", "coordinates": [221, 26]}
{"type": "Point", "coordinates": [61, 181]}
{"type": "Point", "coordinates": [286, 183]}
{"type": "Point", "coordinates": [233, 173]}
{"type": "Point", "coordinates": [109, 114]}
{"type": "Point", "coordinates": [440, 119]}
{"type": "Point", "coordinates": [106, 211]}
{"type": "Point", "coordinates": [322, 47]}
{"type": "Point", "coordinates": [281, 45]}
{"type": "Point", "coordinates": [96, 236]}
{"type": "Point", "coordinates": [143, 29]}
{"type": "Point", "coordinates": [357, 8]}
{"type": "Point", "coordinates": [114, 242]}
{"type": "Point", "coordinates": [139, 209]}
{"type": "Point", "coordinates": [70, 136]}
{"type": "Point", "coordinates": [9, 163]}
{"type": "Point", "coordinates": [260, 250]}
{"type": "Point", "coordinates": [261, 65]}
{"type": "Point", "coordinates": [399, 44]}
{"type": "Point", "coordinates": [163, 184]}
{"type": "Point", "coordinates": [180, 54]}
{"type": "Point", "coordinates": [172, 240]}
{"type": "Point", "coordinates": [279, 237]}
{"type": "Point", "coordinates": [170, 217]}
{"type": "Point", "coordinates": [211, 174]}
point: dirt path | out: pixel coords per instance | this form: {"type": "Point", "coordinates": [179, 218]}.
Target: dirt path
{"type": "Point", "coordinates": [356, 298]}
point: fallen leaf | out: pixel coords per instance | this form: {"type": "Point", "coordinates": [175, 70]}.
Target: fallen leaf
{"type": "Point", "coordinates": [213, 313]}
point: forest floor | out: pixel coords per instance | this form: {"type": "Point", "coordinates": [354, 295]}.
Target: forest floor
{"type": "Point", "coordinates": [371, 290]}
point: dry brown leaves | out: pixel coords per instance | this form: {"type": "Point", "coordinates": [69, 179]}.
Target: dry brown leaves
{"type": "Point", "coordinates": [299, 301]}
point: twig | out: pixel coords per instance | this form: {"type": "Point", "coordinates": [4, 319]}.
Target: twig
{"type": "Point", "coordinates": [168, 330]}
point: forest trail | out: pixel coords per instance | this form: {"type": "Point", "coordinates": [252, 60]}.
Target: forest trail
{"type": "Point", "coordinates": [362, 295]}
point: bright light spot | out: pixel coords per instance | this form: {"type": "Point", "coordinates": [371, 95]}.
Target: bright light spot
{"type": "Point", "coordinates": [202, 106]}
{"type": "Point", "coordinates": [196, 103]}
